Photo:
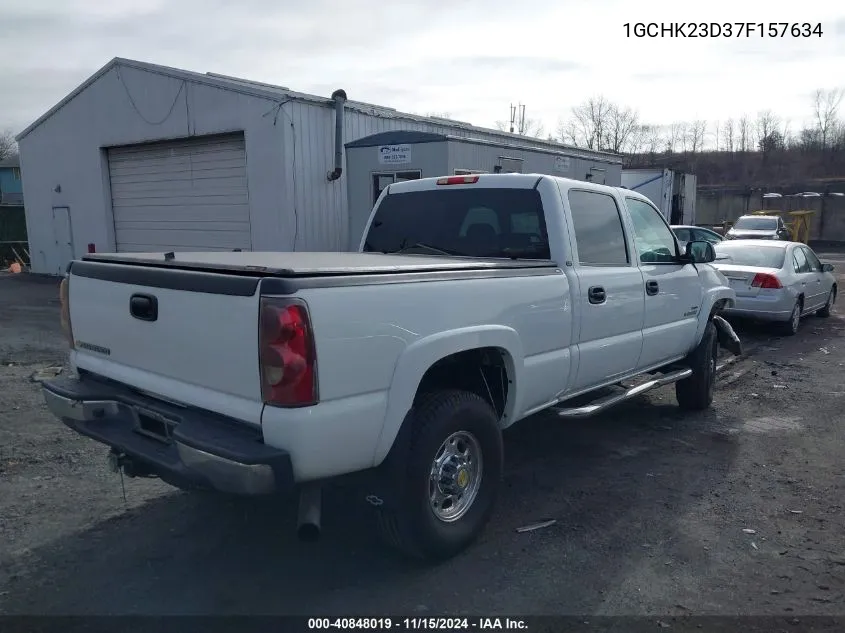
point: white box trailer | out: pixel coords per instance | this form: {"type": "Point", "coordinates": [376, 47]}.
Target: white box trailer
{"type": "Point", "coordinates": [673, 192]}
{"type": "Point", "coordinates": [373, 162]}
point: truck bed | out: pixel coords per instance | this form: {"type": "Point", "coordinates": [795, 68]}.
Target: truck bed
{"type": "Point", "coordinates": [312, 264]}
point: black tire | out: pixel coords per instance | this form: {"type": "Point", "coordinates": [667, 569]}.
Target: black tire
{"type": "Point", "coordinates": [790, 328]}
{"type": "Point", "coordinates": [696, 392]}
{"type": "Point", "coordinates": [825, 311]}
{"type": "Point", "coordinates": [411, 526]}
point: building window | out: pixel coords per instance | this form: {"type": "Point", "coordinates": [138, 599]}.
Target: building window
{"type": "Point", "coordinates": [16, 173]}
{"type": "Point", "coordinates": [382, 179]}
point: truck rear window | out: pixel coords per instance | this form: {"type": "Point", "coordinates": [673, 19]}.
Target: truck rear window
{"type": "Point", "coordinates": [500, 223]}
{"type": "Point", "coordinates": [756, 224]}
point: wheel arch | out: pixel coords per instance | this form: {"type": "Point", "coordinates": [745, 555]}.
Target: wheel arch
{"type": "Point", "coordinates": [457, 353]}
{"type": "Point", "coordinates": [714, 301]}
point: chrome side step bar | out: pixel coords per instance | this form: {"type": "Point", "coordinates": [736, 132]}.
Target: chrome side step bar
{"type": "Point", "coordinates": [608, 401]}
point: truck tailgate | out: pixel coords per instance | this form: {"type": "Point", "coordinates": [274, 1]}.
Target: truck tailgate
{"type": "Point", "coordinates": [200, 348]}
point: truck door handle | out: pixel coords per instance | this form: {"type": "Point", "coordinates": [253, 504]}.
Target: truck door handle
{"type": "Point", "coordinates": [143, 307]}
{"type": "Point", "coordinates": [596, 294]}
{"type": "Point", "coordinates": [652, 288]}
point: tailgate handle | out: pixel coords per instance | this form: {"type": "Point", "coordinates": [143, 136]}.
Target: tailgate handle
{"type": "Point", "coordinates": [144, 307]}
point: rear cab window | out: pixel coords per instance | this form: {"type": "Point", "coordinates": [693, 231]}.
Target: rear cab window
{"type": "Point", "coordinates": [464, 222]}
{"type": "Point", "coordinates": [597, 229]}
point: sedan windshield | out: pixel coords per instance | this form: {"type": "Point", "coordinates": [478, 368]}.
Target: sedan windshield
{"type": "Point", "coordinates": [743, 255]}
{"type": "Point", "coordinates": [756, 224]}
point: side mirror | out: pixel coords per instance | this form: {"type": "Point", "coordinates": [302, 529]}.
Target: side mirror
{"type": "Point", "coordinates": [828, 268]}
{"type": "Point", "coordinates": [699, 252]}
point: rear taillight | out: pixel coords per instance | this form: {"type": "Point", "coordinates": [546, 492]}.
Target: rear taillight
{"type": "Point", "coordinates": [458, 180]}
{"type": "Point", "coordinates": [765, 280]}
{"type": "Point", "coordinates": [64, 302]}
{"type": "Point", "coordinates": [287, 355]}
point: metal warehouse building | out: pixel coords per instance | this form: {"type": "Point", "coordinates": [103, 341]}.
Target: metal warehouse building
{"type": "Point", "coordinates": [143, 157]}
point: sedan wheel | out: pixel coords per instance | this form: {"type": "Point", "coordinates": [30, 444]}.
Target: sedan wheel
{"type": "Point", "coordinates": [825, 311]}
{"type": "Point", "coordinates": [791, 326]}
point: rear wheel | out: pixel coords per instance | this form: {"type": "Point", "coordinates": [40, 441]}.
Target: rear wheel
{"type": "Point", "coordinates": [448, 479]}
{"type": "Point", "coordinates": [790, 328]}
{"type": "Point", "coordinates": [831, 297]}
{"type": "Point", "coordinates": [696, 392]}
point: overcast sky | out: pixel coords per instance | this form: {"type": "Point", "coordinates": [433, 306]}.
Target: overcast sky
{"type": "Point", "coordinates": [468, 58]}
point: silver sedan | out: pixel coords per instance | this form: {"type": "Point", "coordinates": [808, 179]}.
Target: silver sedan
{"type": "Point", "coordinates": [776, 281]}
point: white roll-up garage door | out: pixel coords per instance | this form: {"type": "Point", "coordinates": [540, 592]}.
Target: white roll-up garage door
{"type": "Point", "coordinates": [186, 195]}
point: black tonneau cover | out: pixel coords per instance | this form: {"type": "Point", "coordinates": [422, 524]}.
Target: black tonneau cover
{"type": "Point", "coordinates": [307, 264]}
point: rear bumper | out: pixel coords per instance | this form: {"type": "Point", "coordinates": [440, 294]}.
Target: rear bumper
{"type": "Point", "coordinates": [774, 307]}
{"type": "Point", "coordinates": [201, 449]}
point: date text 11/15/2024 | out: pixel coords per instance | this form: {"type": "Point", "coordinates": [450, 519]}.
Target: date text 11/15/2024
{"type": "Point", "coordinates": [417, 624]}
{"type": "Point", "coordinates": [722, 29]}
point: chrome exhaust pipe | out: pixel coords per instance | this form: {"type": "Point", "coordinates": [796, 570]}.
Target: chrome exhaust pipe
{"type": "Point", "coordinates": [310, 511]}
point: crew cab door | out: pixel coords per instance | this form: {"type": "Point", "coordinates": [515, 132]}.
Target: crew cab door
{"type": "Point", "coordinates": [609, 292]}
{"type": "Point", "coordinates": [672, 289]}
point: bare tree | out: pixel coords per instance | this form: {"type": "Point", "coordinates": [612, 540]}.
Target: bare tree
{"type": "Point", "coordinates": [602, 125]}
{"type": "Point", "coordinates": [695, 134]}
{"type": "Point", "coordinates": [589, 123]}
{"type": "Point", "coordinates": [744, 129]}
{"type": "Point", "coordinates": [786, 132]}
{"type": "Point", "coordinates": [8, 144]}
{"type": "Point", "coordinates": [622, 129]}
{"type": "Point", "coordinates": [729, 135]}
{"type": "Point", "coordinates": [653, 141]}
{"type": "Point", "coordinates": [825, 112]}
{"type": "Point", "coordinates": [766, 123]}
{"type": "Point", "coordinates": [676, 137]}
{"type": "Point", "coordinates": [768, 135]}
{"type": "Point", "coordinates": [637, 141]}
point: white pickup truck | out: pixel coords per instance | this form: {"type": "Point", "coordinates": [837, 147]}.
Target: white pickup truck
{"type": "Point", "coordinates": [477, 301]}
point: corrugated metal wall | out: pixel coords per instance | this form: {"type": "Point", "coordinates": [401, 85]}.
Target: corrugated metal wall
{"type": "Point", "coordinates": [320, 207]}
{"type": "Point", "coordinates": [469, 155]}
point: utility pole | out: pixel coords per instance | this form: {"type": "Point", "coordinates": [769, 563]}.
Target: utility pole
{"type": "Point", "coordinates": [518, 119]}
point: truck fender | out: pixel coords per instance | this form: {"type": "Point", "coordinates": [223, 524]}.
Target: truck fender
{"type": "Point", "coordinates": [422, 354]}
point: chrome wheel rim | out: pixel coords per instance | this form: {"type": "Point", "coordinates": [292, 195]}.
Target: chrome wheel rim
{"type": "Point", "coordinates": [796, 317]}
{"type": "Point", "coordinates": [455, 476]}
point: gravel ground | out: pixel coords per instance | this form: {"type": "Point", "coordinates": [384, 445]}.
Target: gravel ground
{"type": "Point", "coordinates": [733, 511]}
